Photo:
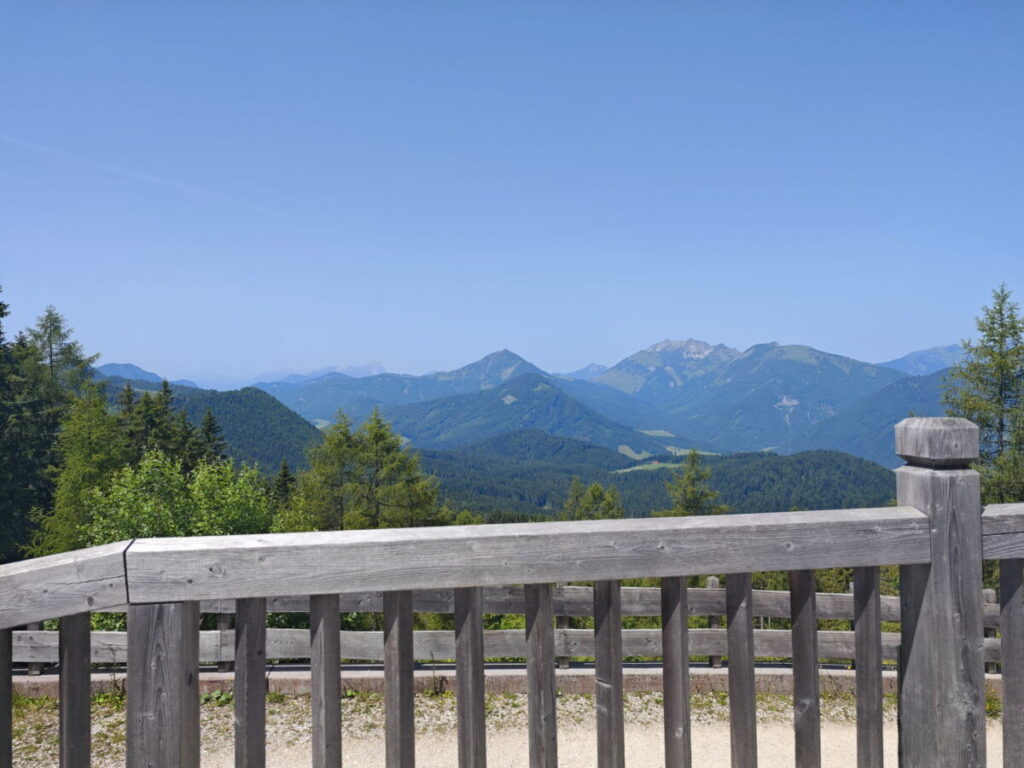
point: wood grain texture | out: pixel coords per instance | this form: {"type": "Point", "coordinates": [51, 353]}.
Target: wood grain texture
{"type": "Point", "coordinates": [676, 672]}
{"type": "Point", "coordinates": [942, 701]}
{"type": "Point", "coordinates": [611, 729]}
{"type": "Point", "coordinates": [579, 601]}
{"type": "Point", "coordinates": [714, 616]}
{"type": "Point", "coordinates": [540, 676]}
{"type": "Point", "coordinates": [469, 678]}
{"type": "Point", "coordinates": [487, 555]}
{"type": "Point", "coordinates": [250, 665]}
{"type": "Point", "coordinates": [1011, 589]}
{"type": "Point", "coordinates": [1002, 529]}
{"type": "Point", "coordinates": [75, 691]}
{"type": "Point", "coordinates": [60, 585]}
{"type": "Point", "coordinates": [435, 645]}
{"type": "Point", "coordinates": [806, 695]}
{"type": "Point", "coordinates": [742, 702]}
{"type": "Point", "coordinates": [325, 680]}
{"type": "Point", "coordinates": [6, 700]}
{"type": "Point", "coordinates": [399, 702]}
{"type": "Point", "coordinates": [937, 442]}
{"type": "Point", "coordinates": [163, 686]}
{"type": "Point", "coordinates": [868, 630]}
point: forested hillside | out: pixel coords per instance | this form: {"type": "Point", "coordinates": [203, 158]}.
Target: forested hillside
{"type": "Point", "coordinates": [511, 475]}
{"type": "Point", "coordinates": [258, 428]}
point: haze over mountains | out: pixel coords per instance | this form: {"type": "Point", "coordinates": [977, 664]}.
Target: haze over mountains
{"type": "Point", "coordinates": [668, 398]}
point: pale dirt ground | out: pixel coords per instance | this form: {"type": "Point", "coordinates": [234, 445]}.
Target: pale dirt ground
{"type": "Point", "coordinates": [363, 746]}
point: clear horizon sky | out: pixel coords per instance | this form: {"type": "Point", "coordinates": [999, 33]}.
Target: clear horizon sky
{"type": "Point", "coordinates": [212, 191]}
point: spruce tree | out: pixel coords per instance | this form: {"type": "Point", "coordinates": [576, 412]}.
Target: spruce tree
{"type": "Point", "coordinates": [212, 446]}
{"type": "Point", "coordinates": [691, 491]}
{"type": "Point", "coordinates": [987, 387]}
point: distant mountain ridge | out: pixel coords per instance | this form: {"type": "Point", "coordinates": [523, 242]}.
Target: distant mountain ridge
{"type": "Point", "coordinates": [656, 373]}
{"type": "Point", "coordinates": [925, 361]}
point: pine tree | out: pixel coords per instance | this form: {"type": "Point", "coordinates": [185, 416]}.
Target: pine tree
{"type": "Point", "coordinates": [283, 487]}
{"type": "Point", "coordinates": [691, 491]}
{"type": "Point", "coordinates": [594, 503]}
{"type": "Point", "coordinates": [212, 446]}
{"type": "Point", "coordinates": [987, 387]}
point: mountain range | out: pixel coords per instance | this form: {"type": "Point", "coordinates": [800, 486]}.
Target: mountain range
{"type": "Point", "coordinates": [663, 400]}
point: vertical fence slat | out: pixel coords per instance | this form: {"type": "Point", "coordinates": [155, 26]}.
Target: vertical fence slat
{"type": "Point", "coordinates": [469, 677]}
{"type": "Point", "coordinates": [250, 683]}
{"type": "Point", "coordinates": [676, 672]}
{"type": "Point", "coordinates": [867, 627]}
{"type": "Point", "coordinates": [35, 668]}
{"type": "Point", "coordinates": [611, 734]}
{"type": "Point", "coordinates": [399, 716]}
{"type": "Point", "coordinates": [6, 700]}
{"type": "Point", "coordinates": [806, 695]}
{"type": "Point", "coordinates": [1011, 624]}
{"type": "Point", "coordinates": [75, 692]}
{"type": "Point", "coordinates": [325, 684]}
{"type": "Point", "coordinates": [988, 597]}
{"type": "Point", "coordinates": [742, 702]}
{"type": "Point", "coordinates": [714, 622]}
{"type": "Point", "coordinates": [163, 686]}
{"type": "Point", "coordinates": [540, 676]}
{"type": "Point", "coordinates": [224, 625]}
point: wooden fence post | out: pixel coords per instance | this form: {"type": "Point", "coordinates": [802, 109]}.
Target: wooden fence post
{"type": "Point", "coordinates": [163, 685]}
{"type": "Point", "coordinates": [942, 686]}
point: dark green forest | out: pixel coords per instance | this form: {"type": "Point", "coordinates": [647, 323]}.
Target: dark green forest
{"type": "Point", "coordinates": [258, 428]}
{"type": "Point", "coordinates": [528, 473]}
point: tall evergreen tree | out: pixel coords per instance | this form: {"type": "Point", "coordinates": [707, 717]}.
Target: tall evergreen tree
{"type": "Point", "coordinates": [283, 486]}
{"type": "Point", "coordinates": [593, 503]}
{"type": "Point", "coordinates": [987, 387]}
{"type": "Point", "coordinates": [212, 446]}
{"type": "Point", "coordinates": [691, 491]}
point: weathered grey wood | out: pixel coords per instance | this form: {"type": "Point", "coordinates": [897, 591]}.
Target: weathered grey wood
{"type": "Point", "coordinates": [942, 686]}
{"type": "Point", "coordinates": [868, 629]}
{"type": "Point", "coordinates": [462, 556]}
{"type": "Point", "coordinates": [163, 686]}
{"type": "Point", "coordinates": [989, 600]}
{"type": "Point", "coordinates": [35, 668]}
{"type": "Point", "coordinates": [250, 664]}
{"type": "Point", "coordinates": [325, 680]}
{"type": "Point", "coordinates": [399, 703]}
{"type": "Point", "coordinates": [714, 620]}
{"type": "Point", "coordinates": [742, 704]}
{"type": "Point", "coordinates": [937, 442]}
{"type": "Point", "coordinates": [6, 700]}
{"type": "Point", "coordinates": [676, 672]}
{"type": "Point", "coordinates": [75, 691]}
{"type": "Point", "coordinates": [75, 582]}
{"type": "Point", "coordinates": [540, 674]}
{"type": "Point", "coordinates": [1002, 528]}
{"type": "Point", "coordinates": [806, 696]}
{"type": "Point", "coordinates": [111, 647]}
{"type": "Point", "coordinates": [579, 601]}
{"type": "Point", "coordinates": [469, 662]}
{"type": "Point", "coordinates": [611, 732]}
{"type": "Point", "coordinates": [223, 625]}
{"type": "Point", "coordinates": [1011, 590]}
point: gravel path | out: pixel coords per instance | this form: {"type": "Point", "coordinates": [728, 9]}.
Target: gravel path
{"type": "Point", "coordinates": [363, 744]}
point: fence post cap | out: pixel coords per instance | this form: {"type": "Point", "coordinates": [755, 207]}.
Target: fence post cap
{"type": "Point", "coordinates": [938, 442]}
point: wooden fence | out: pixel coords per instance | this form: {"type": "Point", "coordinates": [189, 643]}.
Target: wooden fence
{"type": "Point", "coordinates": [937, 535]}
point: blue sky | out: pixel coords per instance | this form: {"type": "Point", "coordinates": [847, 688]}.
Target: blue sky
{"type": "Point", "coordinates": [224, 189]}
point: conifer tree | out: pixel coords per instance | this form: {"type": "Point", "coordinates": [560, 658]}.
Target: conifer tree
{"type": "Point", "coordinates": [987, 387]}
{"type": "Point", "coordinates": [691, 491]}
{"type": "Point", "coordinates": [212, 446]}
{"type": "Point", "coordinates": [594, 503]}
{"type": "Point", "coordinates": [283, 486]}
